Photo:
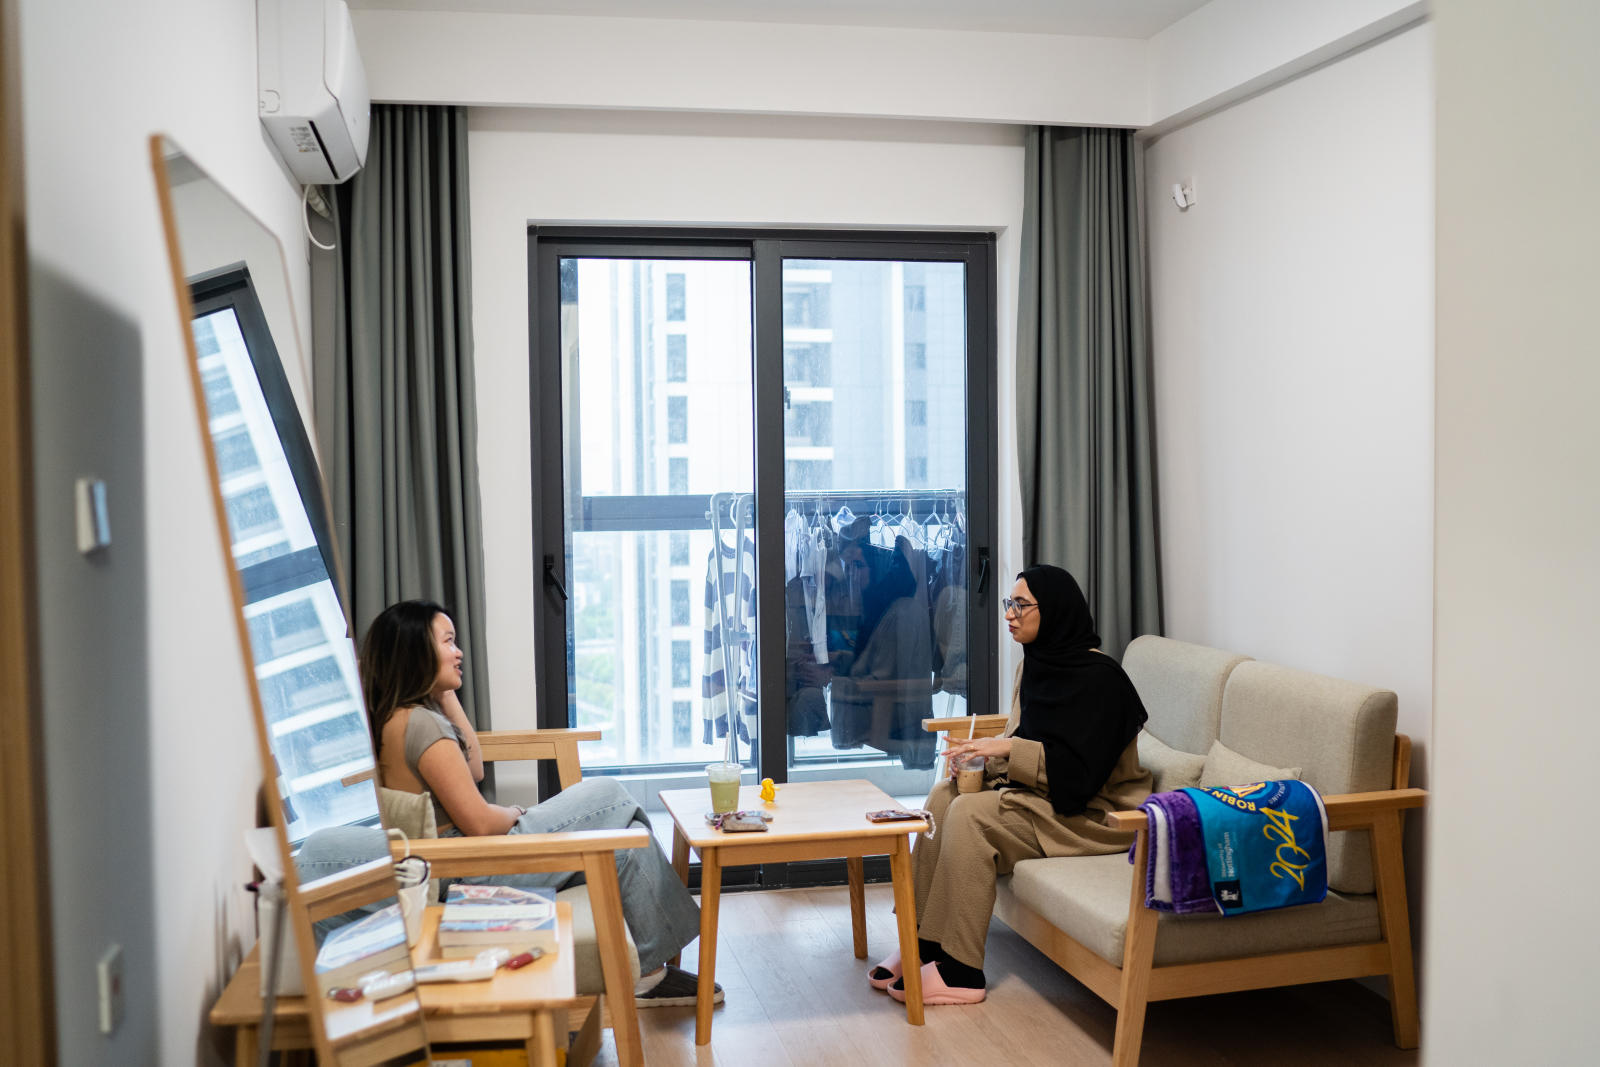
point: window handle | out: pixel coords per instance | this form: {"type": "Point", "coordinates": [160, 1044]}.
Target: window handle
{"type": "Point", "coordinates": [983, 572]}
{"type": "Point", "coordinates": [551, 579]}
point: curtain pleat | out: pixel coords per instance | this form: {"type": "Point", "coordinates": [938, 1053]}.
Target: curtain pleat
{"type": "Point", "coordinates": [396, 394]}
{"type": "Point", "coordinates": [1084, 427]}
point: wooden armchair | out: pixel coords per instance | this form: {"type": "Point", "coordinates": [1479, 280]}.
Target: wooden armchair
{"type": "Point", "coordinates": [591, 851]}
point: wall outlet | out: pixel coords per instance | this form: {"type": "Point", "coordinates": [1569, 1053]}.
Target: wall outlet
{"type": "Point", "coordinates": [109, 974]}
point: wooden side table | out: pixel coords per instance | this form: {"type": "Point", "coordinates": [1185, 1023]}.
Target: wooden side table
{"type": "Point", "coordinates": [811, 820]}
{"type": "Point", "coordinates": [528, 1005]}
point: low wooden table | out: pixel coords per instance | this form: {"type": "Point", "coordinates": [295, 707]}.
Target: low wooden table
{"type": "Point", "coordinates": [810, 820]}
{"type": "Point", "coordinates": [528, 1005]}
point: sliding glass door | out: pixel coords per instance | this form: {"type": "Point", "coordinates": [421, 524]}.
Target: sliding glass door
{"type": "Point", "coordinates": [764, 465]}
{"type": "Point", "coordinates": [875, 514]}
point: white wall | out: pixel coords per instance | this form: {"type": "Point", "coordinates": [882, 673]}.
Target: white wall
{"type": "Point", "coordinates": [1227, 48]}
{"type": "Point", "coordinates": [1293, 339]}
{"type": "Point", "coordinates": [566, 167]}
{"type": "Point", "coordinates": [1511, 914]}
{"type": "Point", "coordinates": [550, 61]}
{"type": "Point", "coordinates": [98, 78]}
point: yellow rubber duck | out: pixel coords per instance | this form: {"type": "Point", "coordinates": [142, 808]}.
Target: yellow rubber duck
{"type": "Point", "coordinates": [769, 792]}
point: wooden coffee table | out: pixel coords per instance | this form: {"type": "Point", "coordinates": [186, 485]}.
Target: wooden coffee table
{"type": "Point", "coordinates": [810, 820]}
{"type": "Point", "coordinates": [527, 1005]}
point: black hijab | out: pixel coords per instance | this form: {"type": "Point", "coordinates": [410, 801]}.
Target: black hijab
{"type": "Point", "coordinates": [1075, 701]}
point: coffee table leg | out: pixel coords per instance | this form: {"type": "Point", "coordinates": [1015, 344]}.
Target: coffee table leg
{"type": "Point", "coordinates": [542, 1045]}
{"type": "Point", "coordinates": [905, 911]}
{"type": "Point", "coordinates": [858, 905]}
{"type": "Point", "coordinates": [245, 1040]}
{"type": "Point", "coordinates": [680, 863]}
{"type": "Point", "coordinates": [710, 894]}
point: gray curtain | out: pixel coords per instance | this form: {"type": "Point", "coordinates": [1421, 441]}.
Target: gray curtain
{"type": "Point", "coordinates": [395, 394]}
{"type": "Point", "coordinates": [1084, 434]}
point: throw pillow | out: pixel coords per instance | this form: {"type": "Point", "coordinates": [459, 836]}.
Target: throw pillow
{"type": "Point", "coordinates": [1225, 767]}
{"type": "Point", "coordinates": [411, 813]}
{"type": "Point", "coordinates": [1170, 768]}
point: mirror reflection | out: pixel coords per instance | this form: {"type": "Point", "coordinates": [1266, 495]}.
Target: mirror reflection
{"type": "Point", "coordinates": [340, 903]}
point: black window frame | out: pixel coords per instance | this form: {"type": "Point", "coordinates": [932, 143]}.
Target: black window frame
{"type": "Point", "coordinates": [765, 250]}
{"type": "Point", "coordinates": [231, 288]}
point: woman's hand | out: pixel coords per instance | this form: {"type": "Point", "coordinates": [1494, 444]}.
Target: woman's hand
{"type": "Point", "coordinates": [989, 747]}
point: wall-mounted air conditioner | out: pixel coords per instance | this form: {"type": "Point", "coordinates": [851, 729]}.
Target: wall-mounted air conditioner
{"type": "Point", "coordinates": [313, 90]}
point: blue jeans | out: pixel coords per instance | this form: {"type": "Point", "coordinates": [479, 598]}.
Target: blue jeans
{"type": "Point", "coordinates": [660, 913]}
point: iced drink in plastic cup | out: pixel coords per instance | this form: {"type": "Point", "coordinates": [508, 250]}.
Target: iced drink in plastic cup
{"type": "Point", "coordinates": [969, 774]}
{"type": "Point", "coordinates": [724, 786]}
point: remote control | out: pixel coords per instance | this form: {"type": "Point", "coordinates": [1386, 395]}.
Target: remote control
{"type": "Point", "coordinates": [390, 985]}
{"type": "Point", "coordinates": [456, 971]}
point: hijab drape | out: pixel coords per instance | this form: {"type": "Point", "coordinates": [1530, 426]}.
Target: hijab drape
{"type": "Point", "coordinates": [1076, 701]}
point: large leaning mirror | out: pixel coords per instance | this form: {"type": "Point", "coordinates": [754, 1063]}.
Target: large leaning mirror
{"type": "Point", "coordinates": [343, 970]}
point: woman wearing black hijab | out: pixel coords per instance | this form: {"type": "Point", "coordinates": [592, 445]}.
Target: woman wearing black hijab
{"type": "Point", "coordinates": [1067, 757]}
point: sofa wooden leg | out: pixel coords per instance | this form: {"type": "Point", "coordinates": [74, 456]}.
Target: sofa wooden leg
{"type": "Point", "coordinates": [1138, 955]}
{"type": "Point", "coordinates": [1389, 872]}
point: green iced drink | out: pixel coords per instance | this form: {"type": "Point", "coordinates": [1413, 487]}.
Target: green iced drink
{"type": "Point", "coordinates": [724, 786]}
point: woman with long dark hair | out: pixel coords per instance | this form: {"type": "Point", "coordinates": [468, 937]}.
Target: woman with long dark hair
{"type": "Point", "coordinates": [410, 671]}
{"type": "Point", "coordinates": [1067, 757]}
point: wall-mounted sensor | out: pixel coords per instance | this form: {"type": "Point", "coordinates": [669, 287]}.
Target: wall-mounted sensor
{"type": "Point", "coordinates": [94, 520]}
{"type": "Point", "coordinates": [1183, 193]}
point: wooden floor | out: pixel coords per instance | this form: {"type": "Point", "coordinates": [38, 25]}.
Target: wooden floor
{"type": "Point", "coordinates": [796, 995]}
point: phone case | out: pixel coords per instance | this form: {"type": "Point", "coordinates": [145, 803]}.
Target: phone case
{"type": "Point", "coordinates": [893, 815]}
{"type": "Point", "coordinates": [742, 823]}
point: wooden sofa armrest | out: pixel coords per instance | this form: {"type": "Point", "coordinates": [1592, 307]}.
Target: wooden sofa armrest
{"type": "Point", "coordinates": [560, 745]}
{"type": "Point", "coordinates": [985, 726]}
{"type": "Point", "coordinates": [466, 857]}
{"type": "Point", "coordinates": [1346, 811]}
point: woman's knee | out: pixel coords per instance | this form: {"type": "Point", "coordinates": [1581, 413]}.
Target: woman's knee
{"type": "Point", "coordinates": [600, 793]}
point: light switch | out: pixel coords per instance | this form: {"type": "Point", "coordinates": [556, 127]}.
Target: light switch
{"type": "Point", "coordinates": [94, 521]}
{"type": "Point", "coordinates": [109, 978]}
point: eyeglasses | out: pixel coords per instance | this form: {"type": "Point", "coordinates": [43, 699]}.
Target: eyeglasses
{"type": "Point", "coordinates": [1019, 606]}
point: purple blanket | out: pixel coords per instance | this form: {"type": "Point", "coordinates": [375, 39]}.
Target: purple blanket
{"type": "Point", "coordinates": [1177, 848]}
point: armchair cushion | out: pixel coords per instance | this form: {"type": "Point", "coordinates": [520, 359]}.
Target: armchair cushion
{"type": "Point", "coordinates": [410, 813]}
{"type": "Point", "coordinates": [1169, 768]}
{"type": "Point", "coordinates": [1225, 767]}
{"type": "Point", "coordinates": [1086, 897]}
{"type": "Point", "coordinates": [585, 949]}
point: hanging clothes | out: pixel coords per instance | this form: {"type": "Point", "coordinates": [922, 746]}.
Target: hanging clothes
{"type": "Point", "coordinates": [737, 606]}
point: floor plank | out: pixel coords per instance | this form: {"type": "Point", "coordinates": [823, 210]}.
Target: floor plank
{"type": "Point", "coordinates": [797, 995]}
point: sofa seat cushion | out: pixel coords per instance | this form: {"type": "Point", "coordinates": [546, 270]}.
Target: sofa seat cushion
{"type": "Point", "coordinates": [1086, 897]}
{"type": "Point", "coordinates": [586, 951]}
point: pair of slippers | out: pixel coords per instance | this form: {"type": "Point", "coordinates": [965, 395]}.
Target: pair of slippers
{"type": "Point", "coordinates": [934, 989]}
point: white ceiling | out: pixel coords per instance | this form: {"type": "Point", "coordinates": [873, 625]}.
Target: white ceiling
{"type": "Point", "coordinates": [1088, 18]}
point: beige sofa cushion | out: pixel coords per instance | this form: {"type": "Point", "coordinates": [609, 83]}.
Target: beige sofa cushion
{"type": "Point", "coordinates": [1340, 733]}
{"type": "Point", "coordinates": [586, 952]}
{"type": "Point", "coordinates": [1225, 767]}
{"type": "Point", "coordinates": [1181, 686]}
{"type": "Point", "coordinates": [1086, 897]}
{"type": "Point", "coordinates": [1169, 768]}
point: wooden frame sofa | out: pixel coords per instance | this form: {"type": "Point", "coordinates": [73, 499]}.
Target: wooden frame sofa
{"type": "Point", "coordinates": [1087, 913]}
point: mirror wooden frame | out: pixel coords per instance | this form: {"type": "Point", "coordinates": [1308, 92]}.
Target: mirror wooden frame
{"type": "Point", "coordinates": [27, 980]}
{"type": "Point", "coordinates": [389, 1033]}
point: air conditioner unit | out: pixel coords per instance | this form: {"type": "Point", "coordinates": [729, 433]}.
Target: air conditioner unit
{"type": "Point", "coordinates": [312, 88]}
